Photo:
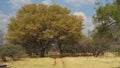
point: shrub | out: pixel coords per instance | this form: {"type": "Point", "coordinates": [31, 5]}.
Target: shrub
{"type": "Point", "coordinates": [117, 50]}
{"type": "Point", "coordinates": [11, 51]}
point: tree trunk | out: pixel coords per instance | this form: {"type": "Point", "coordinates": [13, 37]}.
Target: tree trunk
{"type": "Point", "coordinates": [60, 49]}
{"type": "Point", "coordinates": [42, 52]}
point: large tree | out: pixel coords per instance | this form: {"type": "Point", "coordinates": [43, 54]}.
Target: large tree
{"type": "Point", "coordinates": [107, 25]}
{"type": "Point", "coordinates": [107, 19]}
{"type": "Point", "coordinates": [36, 27]}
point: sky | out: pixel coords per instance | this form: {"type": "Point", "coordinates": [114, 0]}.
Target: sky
{"type": "Point", "coordinates": [85, 8]}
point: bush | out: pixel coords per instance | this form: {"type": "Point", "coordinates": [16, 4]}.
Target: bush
{"type": "Point", "coordinates": [11, 51]}
{"type": "Point", "coordinates": [117, 50]}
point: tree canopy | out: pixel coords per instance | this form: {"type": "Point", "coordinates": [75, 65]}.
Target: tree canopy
{"type": "Point", "coordinates": [107, 26]}
{"type": "Point", "coordinates": [36, 27]}
{"type": "Point", "coordinates": [107, 20]}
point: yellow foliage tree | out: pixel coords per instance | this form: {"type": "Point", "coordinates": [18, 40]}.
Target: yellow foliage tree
{"type": "Point", "coordinates": [36, 27]}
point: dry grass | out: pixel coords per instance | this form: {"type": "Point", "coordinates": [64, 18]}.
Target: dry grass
{"type": "Point", "coordinates": [68, 62]}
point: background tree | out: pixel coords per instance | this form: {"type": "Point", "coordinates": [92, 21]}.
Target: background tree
{"type": "Point", "coordinates": [85, 46]}
{"type": "Point", "coordinates": [37, 27]}
{"type": "Point", "coordinates": [1, 36]}
{"type": "Point", "coordinates": [107, 22]}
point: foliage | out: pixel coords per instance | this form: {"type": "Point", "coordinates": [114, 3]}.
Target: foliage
{"type": "Point", "coordinates": [12, 51]}
{"type": "Point", "coordinates": [107, 26]}
{"type": "Point", "coordinates": [85, 46]}
{"type": "Point", "coordinates": [107, 20]}
{"type": "Point", "coordinates": [1, 36]}
{"type": "Point", "coordinates": [81, 48]}
{"type": "Point", "coordinates": [36, 27]}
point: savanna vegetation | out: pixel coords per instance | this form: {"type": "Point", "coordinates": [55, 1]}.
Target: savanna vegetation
{"type": "Point", "coordinates": [38, 30]}
{"type": "Point", "coordinates": [69, 62]}
{"type": "Point", "coordinates": [1, 36]}
{"type": "Point", "coordinates": [12, 51]}
{"type": "Point", "coordinates": [38, 27]}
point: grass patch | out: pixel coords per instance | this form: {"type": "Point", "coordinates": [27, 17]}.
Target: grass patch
{"type": "Point", "coordinates": [67, 62]}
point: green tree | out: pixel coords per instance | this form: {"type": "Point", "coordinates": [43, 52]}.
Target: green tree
{"type": "Point", "coordinates": [107, 20]}
{"type": "Point", "coordinates": [12, 51]}
{"type": "Point", "coordinates": [37, 27]}
{"type": "Point", "coordinates": [107, 26]}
